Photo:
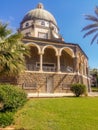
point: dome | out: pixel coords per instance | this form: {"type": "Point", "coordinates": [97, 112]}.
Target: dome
{"type": "Point", "coordinates": [39, 13]}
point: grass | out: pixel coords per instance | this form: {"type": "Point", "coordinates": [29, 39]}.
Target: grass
{"type": "Point", "coordinates": [59, 114]}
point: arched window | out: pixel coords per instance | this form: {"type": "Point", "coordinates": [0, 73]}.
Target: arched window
{"type": "Point", "coordinates": [27, 24]}
{"type": "Point", "coordinates": [43, 23]}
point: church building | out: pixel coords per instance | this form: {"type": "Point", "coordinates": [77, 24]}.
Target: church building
{"type": "Point", "coordinates": [54, 65]}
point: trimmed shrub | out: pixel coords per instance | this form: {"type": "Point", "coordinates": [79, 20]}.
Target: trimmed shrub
{"type": "Point", "coordinates": [11, 97]}
{"type": "Point", "coordinates": [78, 89]}
{"type": "Point", "coordinates": [6, 119]}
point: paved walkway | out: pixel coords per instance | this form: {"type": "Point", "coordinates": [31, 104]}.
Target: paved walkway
{"type": "Point", "coordinates": [31, 95]}
{"type": "Point", "coordinates": [49, 94]}
{"type": "Point", "coordinates": [93, 94]}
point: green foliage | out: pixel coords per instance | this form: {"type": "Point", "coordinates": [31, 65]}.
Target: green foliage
{"type": "Point", "coordinates": [11, 97]}
{"type": "Point", "coordinates": [6, 119]}
{"type": "Point", "coordinates": [12, 51]}
{"type": "Point", "coordinates": [93, 27]}
{"type": "Point", "coordinates": [94, 73]}
{"type": "Point", "coordinates": [78, 89]}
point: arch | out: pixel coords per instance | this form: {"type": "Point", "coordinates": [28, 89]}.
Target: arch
{"type": "Point", "coordinates": [68, 50]}
{"type": "Point", "coordinates": [50, 46]}
{"type": "Point", "coordinates": [34, 44]}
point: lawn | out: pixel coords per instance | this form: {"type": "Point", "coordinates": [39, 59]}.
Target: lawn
{"type": "Point", "coordinates": [67, 113]}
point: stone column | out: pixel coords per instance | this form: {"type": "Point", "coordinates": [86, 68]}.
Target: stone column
{"type": "Point", "coordinates": [58, 63]}
{"type": "Point", "coordinates": [41, 62]}
{"type": "Point", "coordinates": [82, 67]}
{"type": "Point", "coordinates": [76, 67]}
{"type": "Point", "coordinates": [86, 69]}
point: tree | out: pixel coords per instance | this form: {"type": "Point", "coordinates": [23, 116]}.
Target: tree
{"type": "Point", "coordinates": [12, 51]}
{"type": "Point", "coordinates": [92, 28]}
{"type": "Point", "coordinates": [94, 79]}
{"type": "Point", "coordinates": [78, 89]}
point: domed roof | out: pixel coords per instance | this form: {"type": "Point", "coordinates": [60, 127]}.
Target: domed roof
{"type": "Point", "coordinates": [39, 13]}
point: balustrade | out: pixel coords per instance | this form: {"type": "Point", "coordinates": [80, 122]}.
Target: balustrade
{"type": "Point", "coordinates": [31, 67]}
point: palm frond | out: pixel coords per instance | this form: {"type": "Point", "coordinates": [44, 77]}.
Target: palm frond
{"type": "Point", "coordinates": [12, 51]}
{"type": "Point", "coordinates": [96, 10]}
{"type": "Point", "coordinates": [92, 18]}
{"type": "Point", "coordinates": [90, 32]}
{"type": "Point", "coordinates": [94, 38]}
{"type": "Point", "coordinates": [90, 26]}
{"type": "Point", "coordinates": [4, 31]}
{"type": "Point", "coordinates": [14, 38]}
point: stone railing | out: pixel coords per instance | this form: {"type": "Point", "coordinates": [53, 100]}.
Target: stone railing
{"type": "Point", "coordinates": [49, 69]}
{"type": "Point", "coordinates": [31, 67]}
{"type": "Point", "coordinates": [67, 69]}
{"type": "Point", "coordinates": [37, 68]}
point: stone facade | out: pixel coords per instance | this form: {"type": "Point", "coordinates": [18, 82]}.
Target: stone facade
{"type": "Point", "coordinates": [49, 82]}
{"type": "Point", "coordinates": [46, 82]}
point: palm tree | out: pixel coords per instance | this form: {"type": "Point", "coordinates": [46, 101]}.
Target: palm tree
{"type": "Point", "coordinates": [92, 28]}
{"type": "Point", "coordinates": [12, 51]}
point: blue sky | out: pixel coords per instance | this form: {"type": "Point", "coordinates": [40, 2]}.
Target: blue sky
{"type": "Point", "coordinates": [69, 15]}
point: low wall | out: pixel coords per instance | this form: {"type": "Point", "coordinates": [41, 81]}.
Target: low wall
{"type": "Point", "coordinates": [46, 82]}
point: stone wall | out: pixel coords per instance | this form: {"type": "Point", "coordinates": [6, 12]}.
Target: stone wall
{"type": "Point", "coordinates": [8, 79]}
{"type": "Point", "coordinates": [37, 82]}
{"type": "Point", "coordinates": [86, 81]}
{"type": "Point", "coordinates": [46, 82]}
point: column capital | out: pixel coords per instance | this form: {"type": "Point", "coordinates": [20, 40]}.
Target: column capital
{"type": "Point", "coordinates": [76, 57]}
{"type": "Point", "coordinates": [41, 53]}
{"type": "Point", "coordinates": [58, 55]}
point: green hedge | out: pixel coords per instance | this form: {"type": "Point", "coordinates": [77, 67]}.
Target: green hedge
{"type": "Point", "coordinates": [12, 97]}
{"type": "Point", "coordinates": [6, 118]}
{"type": "Point", "coordinates": [78, 89]}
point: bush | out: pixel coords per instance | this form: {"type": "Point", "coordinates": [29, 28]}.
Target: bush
{"type": "Point", "coordinates": [11, 97]}
{"type": "Point", "coordinates": [78, 89]}
{"type": "Point", "coordinates": [6, 119]}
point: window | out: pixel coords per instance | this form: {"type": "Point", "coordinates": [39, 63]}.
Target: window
{"type": "Point", "coordinates": [69, 69]}
{"type": "Point", "coordinates": [43, 35]}
{"type": "Point", "coordinates": [43, 23]}
{"type": "Point", "coordinates": [27, 24]}
{"type": "Point", "coordinates": [46, 64]}
{"type": "Point", "coordinates": [28, 34]}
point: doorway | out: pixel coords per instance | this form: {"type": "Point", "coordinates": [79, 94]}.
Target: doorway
{"type": "Point", "coordinates": [49, 87]}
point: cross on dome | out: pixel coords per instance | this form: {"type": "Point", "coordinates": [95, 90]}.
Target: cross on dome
{"type": "Point", "coordinates": [40, 6]}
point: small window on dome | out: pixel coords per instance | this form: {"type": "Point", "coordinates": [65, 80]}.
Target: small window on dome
{"type": "Point", "coordinates": [43, 23]}
{"type": "Point", "coordinates": [27, 24]}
